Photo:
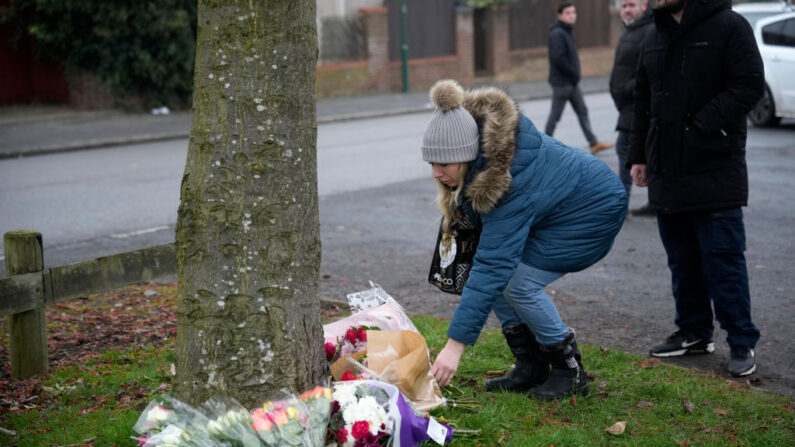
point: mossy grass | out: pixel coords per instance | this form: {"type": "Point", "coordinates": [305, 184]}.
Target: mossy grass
{"type": "Point", "coordinates": [98, 401]}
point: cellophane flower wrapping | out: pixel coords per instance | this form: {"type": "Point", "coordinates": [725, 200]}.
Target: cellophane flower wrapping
{"type": "Point", "coordinates": [230, 422]}
{"type": "Point", "coordinates": [405, 426]}
{"type": "Point", "coordinates": [289, 420]}
{"type": "Point", "coordinates": [399, 354]}
{"type": "Point", "coordinates": [373, 308]}
{"type": "Point", "coordinates": [318, 403]}
{"type": "Point", "coordinates": [170, 422]}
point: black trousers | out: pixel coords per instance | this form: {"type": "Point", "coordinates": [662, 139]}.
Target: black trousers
{"type": "Point", "coordinates": [560, 96]}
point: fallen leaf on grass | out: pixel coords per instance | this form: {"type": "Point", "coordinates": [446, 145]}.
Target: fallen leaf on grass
{"type": "Point", "coordinates": [500, 372]}
{"type": "Point", "coordinates": [688, 406]}
{"type": "Point", "coordinates": [617, 428]}
{"type": "Point", "coordinates": [650, 363]}
{"type": "Point", "coordinates": [721, 411]}
{"type": "Point", "coordinates": [644, 404]}
{"type": "Point", "coordinates": [573, 400]}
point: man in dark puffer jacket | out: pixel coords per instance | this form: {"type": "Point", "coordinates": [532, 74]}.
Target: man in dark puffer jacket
{"type": "Point", "coordinates": [699, 74]}
{"type": "Point", "coordinates": [637, 20]}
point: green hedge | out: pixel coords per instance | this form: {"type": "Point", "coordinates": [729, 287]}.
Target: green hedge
{"type": "Point", "coordinates": [139, 47]}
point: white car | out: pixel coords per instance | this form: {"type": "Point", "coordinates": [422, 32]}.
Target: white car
{"type": "Point", "coordinates": [775, 36]}
{"type": "Point", "coordinates": [754, 11]}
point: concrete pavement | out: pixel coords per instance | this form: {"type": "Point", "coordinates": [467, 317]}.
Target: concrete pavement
{"type": "Point", "coordinates": [37, 130]}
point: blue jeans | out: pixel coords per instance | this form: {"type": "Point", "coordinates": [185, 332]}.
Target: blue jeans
{"type": "Point", "coordinates": [524, 301]}
{"type": "Point", "coordinates": [707, 262]}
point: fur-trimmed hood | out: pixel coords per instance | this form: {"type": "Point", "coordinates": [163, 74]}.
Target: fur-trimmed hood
{"type": "Point", "coordinates": [499, 117]}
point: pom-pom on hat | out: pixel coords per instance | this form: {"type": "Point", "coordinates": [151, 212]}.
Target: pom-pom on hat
{"type": "Point", "coordinates": [452, 133]}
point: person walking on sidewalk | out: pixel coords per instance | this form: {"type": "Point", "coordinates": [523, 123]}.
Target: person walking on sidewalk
{"type": "Point", "coordinates": [637, 20]}
{"type": "Point", "coordinates": [543, 208]}
{"type": "Point", "coordinates": [564, 76]}
{"type": "Point", "coordinates": [699, 74]}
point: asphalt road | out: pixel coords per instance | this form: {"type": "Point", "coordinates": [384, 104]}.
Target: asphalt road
{"type": "Point", "coordinates": [379, 223]}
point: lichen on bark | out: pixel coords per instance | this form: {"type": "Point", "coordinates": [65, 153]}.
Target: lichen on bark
{"type": "Point", "coordinates": [248, 238]}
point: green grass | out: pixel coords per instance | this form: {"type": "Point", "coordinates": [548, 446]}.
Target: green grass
{"type": "Point", "coordinates": [726, 412]}
{"type": "Point", "coordinates": [88, 405]}
{"type": "Point", "coordinates": [96, 403]}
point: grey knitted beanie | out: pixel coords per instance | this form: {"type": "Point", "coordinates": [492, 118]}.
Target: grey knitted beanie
{"type": "Point", "coordinates": [452, 134]}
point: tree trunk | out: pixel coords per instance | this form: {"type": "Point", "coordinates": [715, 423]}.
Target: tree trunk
{"type": "Point", "coordinates": [248, 233]}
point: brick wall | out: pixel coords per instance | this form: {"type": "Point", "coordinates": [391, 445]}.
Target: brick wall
{"type": "Point", "coordinates": [383, 75]}
{"type": "Point", "coordinates": [378, 74]}
{"type": "Point", "coordinates": [465, 45]}
{"type": "Point", "coordinates": [376, 29]}
{"type": "Point", "coordinates": [533, 64]}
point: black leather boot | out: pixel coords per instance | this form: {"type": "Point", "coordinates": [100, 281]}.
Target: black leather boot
{"type": "Point", "coordinates": [530, 368]}
{"type": "Point", "coordinates": [567, 375]}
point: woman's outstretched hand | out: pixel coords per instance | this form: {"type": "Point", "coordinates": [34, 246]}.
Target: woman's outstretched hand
{"type": "Point", "coordinates": [446, 363]}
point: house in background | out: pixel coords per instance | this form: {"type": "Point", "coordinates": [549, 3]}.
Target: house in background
{"type": "Point", "coordinates": [359, 46]}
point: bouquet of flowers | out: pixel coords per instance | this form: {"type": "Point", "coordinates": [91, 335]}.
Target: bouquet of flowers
{"type": "Point", "coordinates": [294, 421]}
{"type": "Point", "coordinates": [224, 422]}
{"type": "Point", "coordinates": [282, 422]}
{"type": "Point", "coordinates": [374, 308]}
{"type": "Point", "coordinates": [359, 415]}
{"type": "Point", "coordinates": [354, 340]}
{"type": "Point", "coordinates": [318, 402]}
{"type": "Point", "coordinates": [231, 422]}
{"type": "Point", "coordinates": [170, 422]}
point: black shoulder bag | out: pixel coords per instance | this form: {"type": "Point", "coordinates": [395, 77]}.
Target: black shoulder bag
{"type": "Point", "coordinates": [453, 256]}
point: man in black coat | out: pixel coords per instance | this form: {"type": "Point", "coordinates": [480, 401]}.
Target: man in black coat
{"type": "Point", "coordinates": [564, 75]}
{"type": "Point", "coordinates": [637, 19]}
{"type": "Point", "coordinates": [698, 76]}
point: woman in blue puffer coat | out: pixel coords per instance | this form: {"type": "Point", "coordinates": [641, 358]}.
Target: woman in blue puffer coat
{"type": "Point", "coordinates": [544, 209]}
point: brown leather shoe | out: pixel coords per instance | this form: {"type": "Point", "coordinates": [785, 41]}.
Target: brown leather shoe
{"type": "Point", "coordinates": [600, 147]}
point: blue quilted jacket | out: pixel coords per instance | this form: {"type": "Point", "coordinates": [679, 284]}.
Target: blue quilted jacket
{"type": "Point", "coordinates": [540, 202]}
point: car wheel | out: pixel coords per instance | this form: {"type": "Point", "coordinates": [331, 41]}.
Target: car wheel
{"type": "Point", "coordinates": [764, 112]}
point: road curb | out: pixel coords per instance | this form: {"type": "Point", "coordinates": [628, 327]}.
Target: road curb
{"type": "Point", "coordinates": [164, 136]}
{"type": "Point", "coordinates": [92, 144]}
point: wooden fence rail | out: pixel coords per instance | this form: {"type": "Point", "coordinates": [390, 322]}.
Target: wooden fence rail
{"type": "Point", "coordinates": [29, 288]}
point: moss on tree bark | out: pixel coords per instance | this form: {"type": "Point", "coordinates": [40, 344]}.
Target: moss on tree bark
{"type": "Point", "coordinates": [248, 238]}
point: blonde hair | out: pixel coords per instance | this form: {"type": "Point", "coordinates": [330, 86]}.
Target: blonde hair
{"type": "Point", "coordinates": [448, 199]}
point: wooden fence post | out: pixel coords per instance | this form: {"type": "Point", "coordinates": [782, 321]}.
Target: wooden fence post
{"type": "Point", "coordinates": [28, 336]}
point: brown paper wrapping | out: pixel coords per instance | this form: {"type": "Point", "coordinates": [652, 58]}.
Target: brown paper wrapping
{"type": "Point", "coordinates": [343, 364]}
{"type": "Point", "coordinates": [402, 359]}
